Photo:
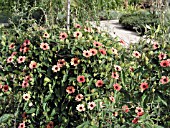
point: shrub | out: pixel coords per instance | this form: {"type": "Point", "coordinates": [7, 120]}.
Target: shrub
{"type": "Point", "coordinates": [138, 21]}
{"type": "Point", "coordinates": [59, 78]}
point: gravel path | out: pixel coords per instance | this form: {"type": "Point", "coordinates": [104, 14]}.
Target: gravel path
{"type": "Point", "coordinates": [115, 29]}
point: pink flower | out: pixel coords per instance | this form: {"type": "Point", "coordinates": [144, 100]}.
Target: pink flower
{"type": "Point", "coordinates": [12, 46]}
{"type": "Point", "coordinates": [1, 86]}
{"type": "Point", "coordinates": [91, 105]}
{"type": "Point", "coordinates": [87, 29]}
{"type": "Point", "coordinates": [79, 97]}
{"type": "Point", "coordinates": [77, 26]}
{"type": "Point", "coordinates": [135, 120]}
{"type": "Point", "coordinates": [46, 35]}
{"type": "Point", "coordinates": [115, 114]}
{"type": "Point", "coordinates": [77, 34]}
{"type": "Point", "coordinates": [164, 80]}
{"type": "Point", "coordinates": [122, 42]}
{"type": "Point", "coordinates": [101, 104]}
{"type": "Point", "coordinates": [102, 51]}
{"type": "Point", "coordinates": [70, 89]}
{"type": "Point", "coordinates": [33, 65]}
{"type": "Point", "coordinates": [56, 68]}
{"type": "Point", "coordinates": [25, 49]}
{"type": "Point", "coordinates": [162, 56]}
{"type": "Point", "coordinates": [63, 36]}
{"type": "Point", "coordinates": [27, 78]}
{"type": "Point", "coordinates": [75, 61]}
{"type": "Point", "coordinates": [125, 108]}
{"type": "Point", "coordinates": [139, 111]}
{"type": "Point", "coordinates": [80, 107]}
{"type": "Point", "coordinates": [136, 54]}
{"type": "Point", "coordinates": [44, 46]}
{"type": "Point", "coordinates": [115, 75]}
{"type": "Point", "coordinates": [144, 86]}
{"type": "Point", "coordinates": [164, 63]}
{"type": "Point", "coordinates": [21, 59]}
{"type": "Point", "coordinates": [155, 45]}
{"type": "Point", "coordinates": [61, 62]}
{"type": "Point", "coordinates": [21, 48]}
{"type": "Point", "coordinates": [26, 42]}
{"type": "Point", "coordinates": [5, 88]}
{"type": "Point", "coordinates": [25, 84]}
{"type": "Point", "coordinates": [117, 68]}
{"type": "Point", "coordinates": [93, 51]}
{"type": "Point", "coordinates": [10, 59]}
{"type": "Point", "coordinates": [117, 87]}
{"type": "Point", "coordinates": [81, 79]}
{"type": "Point", "coordinates": [99, 83]}
{"type": "Point", "coordinates": [114, 51]}
{"type": "Point", "coordinates": [168, 62]}
{"type": "Point", "coordinates": [97, 44]}
{"type": "Point", "coordinates": [131, 69]}
{"type": "Point", "coordinates": [26, 96]}
{"type": "Point", "coordinates": [87, 53]}
{"type": "Point", "coordinates": [112, 99]}
{"type": "Point", "coordinates": [14, 53]}
{"type": "Point", "coordinates": [21, 125]}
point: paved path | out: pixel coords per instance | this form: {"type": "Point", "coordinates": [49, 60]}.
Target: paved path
{"type": "Point", "coordinates": [115, 29]}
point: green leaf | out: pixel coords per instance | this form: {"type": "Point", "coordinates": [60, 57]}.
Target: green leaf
{"type": "Point", "coordinates": [32, 110]}
{"type": "Point", "coordinates": [4, 118]}
{"type": "Point", "coordinates": [163, 101]}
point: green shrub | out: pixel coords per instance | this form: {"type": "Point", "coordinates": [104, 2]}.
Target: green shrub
{"type": "Point", "coordinates": [51, 77]}
{"type": "Point", "coordinates": [138, 21]}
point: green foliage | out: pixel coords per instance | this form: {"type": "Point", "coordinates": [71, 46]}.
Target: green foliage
{"type": "Point", "coordinates": [138, 21]}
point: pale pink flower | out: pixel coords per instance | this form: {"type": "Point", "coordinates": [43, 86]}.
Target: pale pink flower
{"type": "Point", "coordinates": [61, 62]}
{"type": "Point", "coordinates": [87, 53]}
{"type": "Point", "coordinates": [164, 63]}
{"type": "Point", "coordinates": [117, 68]}
{"type": "Point", "coordinates": [136, 54]}
{"type": "Point", "coordinates": [46, 35]}
{"type": "Point", "coordinates": [91, 105]}
{"type": "Point", "coordinates": [112, 98]}
{"type": "Point", "coordinates": [27, 78]}
{"type": "Point", "coordinates": [56, 68]}
{"type": "Point", "coordinates": [99, 83]}
{"type": "Point", "coordinates": [125, 108]}
{"type": "Point", "coordinates": [13, 53]}
{"type": "Point", "coordinates": [80, 107]}
{"type": "Point", "coordinates": [12, 46]}
{"type": "Point", "coordinates": [97, 44]}
{"type": "Point", "coordinates": [87, 29]}
{"type": "Point", "coordinates": [93, 51]}
{"type": "Point", "coordinates": [44, 46]}
{"type": "Point", "coordinates": [162, 56]}
{"type": "Point", "coordinates": [102, 51]}
{"type": "Point", "coordinates": [81, 79]}
{"type": "Point", "coordinates": [123, 42]}
{"type": "Point", "coordinates": [10, 59]}
{"type": "Point", "coordinates": [155, 45]}
{"type": "Point", "coordinates": [144, 86]}
{"type": "Point", "coordinates": [75, 61]}
{"type": "Point", "coordinates": [63, 36]}
{"type": "Point", "coordinates": [33, 65]}
{"type": "Point", "coordinates": [25, 84]}
{"type": "Point", "coordinates": [70, 89]}
{"type": "Point", "coordinates": [164, 79]}
{"type": "Point", "coordinates": [115, 75]}
{"type": "Point", "coordinates": [21, 125]}
{"type": "Point", "coordinates": [21, 59]}
{"type": "Point", "coordinates": [101, 104]}
{"type": "Point", "coordinates": [117, 87]}
{"type": "Point", "coordinates": [115, 114]}
{"type": "Point", "coordinates": [1, 86]}
{"type": "Point", "coordinates": [77, 34]}
{"type": "Point", "coordinates": [139, 111]}
{"type": "Point", "coordinates": [26, 96]}
{"type": "Point", "coordinates": [25, 49]}
{"type": "Point", "coordinates": [26, 42]}
{"type": "Point", "coordinates": [79, 97]}
{"type": "Point", "coordinates": [77, 26]}
{"type": "Point", "coordinates": [114, 51]}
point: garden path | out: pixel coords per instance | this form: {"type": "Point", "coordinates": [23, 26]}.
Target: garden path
{"type": "Point", "coordinates": [116, 29]}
